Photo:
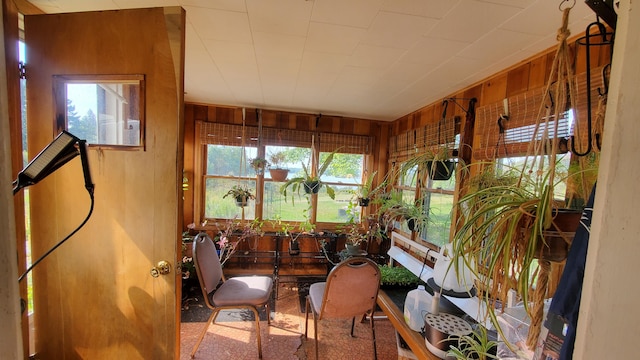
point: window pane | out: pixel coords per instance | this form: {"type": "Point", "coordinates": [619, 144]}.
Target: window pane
{"type": "Point", "coordinates": [287, 157]}
{"type": "Point", "coordinates": [439, 209]}
{"type": "Point", "coordinates": [226, 160]}
{"type": "Point", "coordinates": [515, 164]}
{"type": "Point", "coordinates": [337, 210]}
{"type": "Point", "coordinates": [219, 207]}
{"type": "Point", "coordinates": [343, 174]}
{"type": "Point", "coordinates": [274, 205]}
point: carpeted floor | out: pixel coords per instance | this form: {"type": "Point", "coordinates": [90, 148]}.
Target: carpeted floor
{"type": "Point", "coordinates": [235, 339]}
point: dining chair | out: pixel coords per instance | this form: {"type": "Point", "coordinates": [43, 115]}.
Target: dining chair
{"type": "Point", "coordinates": [239, 292]}
{"type": "Point", "coordinates": [350, 291]}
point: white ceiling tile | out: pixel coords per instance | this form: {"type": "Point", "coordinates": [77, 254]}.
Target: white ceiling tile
{"type": "Point", "coordinates": [220, 24]}
{"type": "Point", "coordinates": [230, 5]}
{"type": "Point", "coordinates": [331, 38]}
{"type": "Point", "coordinates": [375, 56]}
{"type": "Point", "coordinates": [430, 8]}
{"type": "Point", "coordinates": [278, 46]}
{"type": "Point", "coordinates": [397, 30]}
{"type": "Point", "coordinates": [496, 45]}
{"type": "Point", "coordinates": [357, 13]}
{"type": "Point", "coordinates": [471, 19]}
{"type": "Point", "coordinates": [431, 51]}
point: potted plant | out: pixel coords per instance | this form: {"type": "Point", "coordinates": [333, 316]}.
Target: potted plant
{"type": "Point", "coordinates": [241, 194]}
{"type": "Point", "coordinates": [366, 191]}
{"type": "Point", "coordinates": [505, 228]}
{"type": "Point", "coordinates": [310, 181]}
{"type": "Point", "coordinates": [258, 165]}
{"type": "Point", "coordinates": [477, 345]}
{"type": "Point", "coordinates": [394, 208]}
{"type": "Point", "coordinates": [277, 172]}
{"type": "Point", "coordinates": [354, 237]}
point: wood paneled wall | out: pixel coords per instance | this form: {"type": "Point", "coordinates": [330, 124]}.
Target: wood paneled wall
{"type": "Point", "coordinates": [378, 130]}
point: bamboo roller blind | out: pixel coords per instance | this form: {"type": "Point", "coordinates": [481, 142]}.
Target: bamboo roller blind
{"type": "Point", "coordinates": [490, 143]}
{"type": "Point", "coordinates": [424, 139]}
{"type": "Point", "coordinates": [232, 135]}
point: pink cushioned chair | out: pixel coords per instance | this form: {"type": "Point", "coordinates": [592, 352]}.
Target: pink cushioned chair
{"type": "Point", "coordinates": [350, 291]}
{"type": "Point", "coordinates": [234, 293]}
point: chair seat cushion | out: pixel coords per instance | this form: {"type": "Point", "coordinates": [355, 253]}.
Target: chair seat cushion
{"type": "Point", "coordinates": [316, 292]}
{"type": "Point", "coordinates": [243, 290]}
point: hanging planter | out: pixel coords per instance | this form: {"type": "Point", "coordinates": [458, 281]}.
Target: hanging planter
{"type": "Point", "coordinates": [311, 186]}
{"type": "Point", "coordinates": [258, 165]}
{"type": "Point", "coordinates": [242, 195]}
{"type": "Point", "coordinates": [279, 175]}
{"type": "Point", "coordinates": [242, 201]}
{"type": "Point", "coordinates": [554, 242]}
{"type": "Point", "coordinates": [363, 202]}
{"type": "Point", "coordinates": [441, 169]}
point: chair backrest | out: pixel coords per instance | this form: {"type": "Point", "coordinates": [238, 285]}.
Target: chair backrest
{"type": "Point", "coordinates": [207, 263]}
{"type": "Point", "coordinates": [352, 289]}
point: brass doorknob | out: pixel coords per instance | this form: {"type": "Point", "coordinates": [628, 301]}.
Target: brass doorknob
{"type": "Point", "coordinates": [162, 268]}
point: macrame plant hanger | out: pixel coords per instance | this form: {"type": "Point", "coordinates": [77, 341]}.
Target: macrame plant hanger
{"type": "Point", "coordinates": [560, 87]}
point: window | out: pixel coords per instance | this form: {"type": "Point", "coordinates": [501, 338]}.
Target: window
{"type": "Point", "coordinates": [344, 175]}
{"type": "Point", "coordinates": [225, 161]}
{"type": "Point", "coordinates": [275, 206]}
{"type": "Point", "coordinates": [104, 110]}
{"type": "Point", "coordinates": [226, 166]}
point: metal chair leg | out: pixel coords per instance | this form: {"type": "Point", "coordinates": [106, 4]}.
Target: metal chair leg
{"type": "Point", "coordinates": [315, 331]}
{"type": "Point", "coordinates": [204, 331]}
{"type": "Point", "coordinates": [306, 316]}
{"type": "Point", "coordinates": [257, 315]}
{"type": "Point", "coordinates": [353, 323]}
{"type": "Point", "coordinates": [373, 335]}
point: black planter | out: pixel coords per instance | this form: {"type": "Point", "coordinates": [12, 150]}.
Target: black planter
{"type": "Point", "coordinates": [241, 201]}
{"type": "Point", "coordinates": [363, 202]}
{"type": "Point", "coordinates": [411, 224]}
{"type": "Point", "coordinates": [441, 169]}
{"type": "Point", "coordinates": [294, 247]}
{"type": "Point", "coordinates": [311, 187]}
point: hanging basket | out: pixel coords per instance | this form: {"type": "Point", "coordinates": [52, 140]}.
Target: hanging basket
{"type": "Point", "coordinates": [279, 175]}
{"type": "Point", "coordinates": [311, 187]}
{"type": "Point", "coordinates": [363, 202]}
{"type": "Point", "coordinates": [555, 242]}
{"type": "Point", "coordinates": [242, 201]}
{"type": "Point", "coordinates": [441, 169]}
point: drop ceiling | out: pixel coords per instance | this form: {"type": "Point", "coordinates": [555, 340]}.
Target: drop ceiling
{"type": "Point", "coordinates": [369, 59]}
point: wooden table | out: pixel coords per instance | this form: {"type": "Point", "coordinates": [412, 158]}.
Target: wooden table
{"type": "Point", "coordinates": [413, 338]}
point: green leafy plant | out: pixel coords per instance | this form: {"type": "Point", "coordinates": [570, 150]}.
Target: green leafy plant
{"type": "Point", "coordinates": [310, 181]}
{"type": "Point", "coordinates": [397, 276]}
{"type": "Point", "coordinates": [258, 164]}
{"type": "Point", "coordinates": [476, 345]}
{"type": "Point", "coordinates": [277, 158]}
{"type": "Point", "coordinates": [241, 194]}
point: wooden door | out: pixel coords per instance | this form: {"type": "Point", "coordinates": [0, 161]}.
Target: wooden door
{"type": "Point", "coordinates": [94, 297]}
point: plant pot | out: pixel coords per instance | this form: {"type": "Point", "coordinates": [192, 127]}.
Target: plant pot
{"type": "Point", "coordinates": [441, 169]}
{"type": "Point", "coordinates": [242, 201]}
{"type": "Point", "coordinates": [294, 247]}
{"type": "Point", "coordinates": [363, 202]}
{"type": "Point", "coordinates": [555, 241]}
{"type": "Point", "coordinates": [352, 249]}
{"type": "Point", "coordinates": [311, 187]}
{"type": "Point", "coordinates": [411, 224]}
{"type": "Point", "coordinates": [279, 175]}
